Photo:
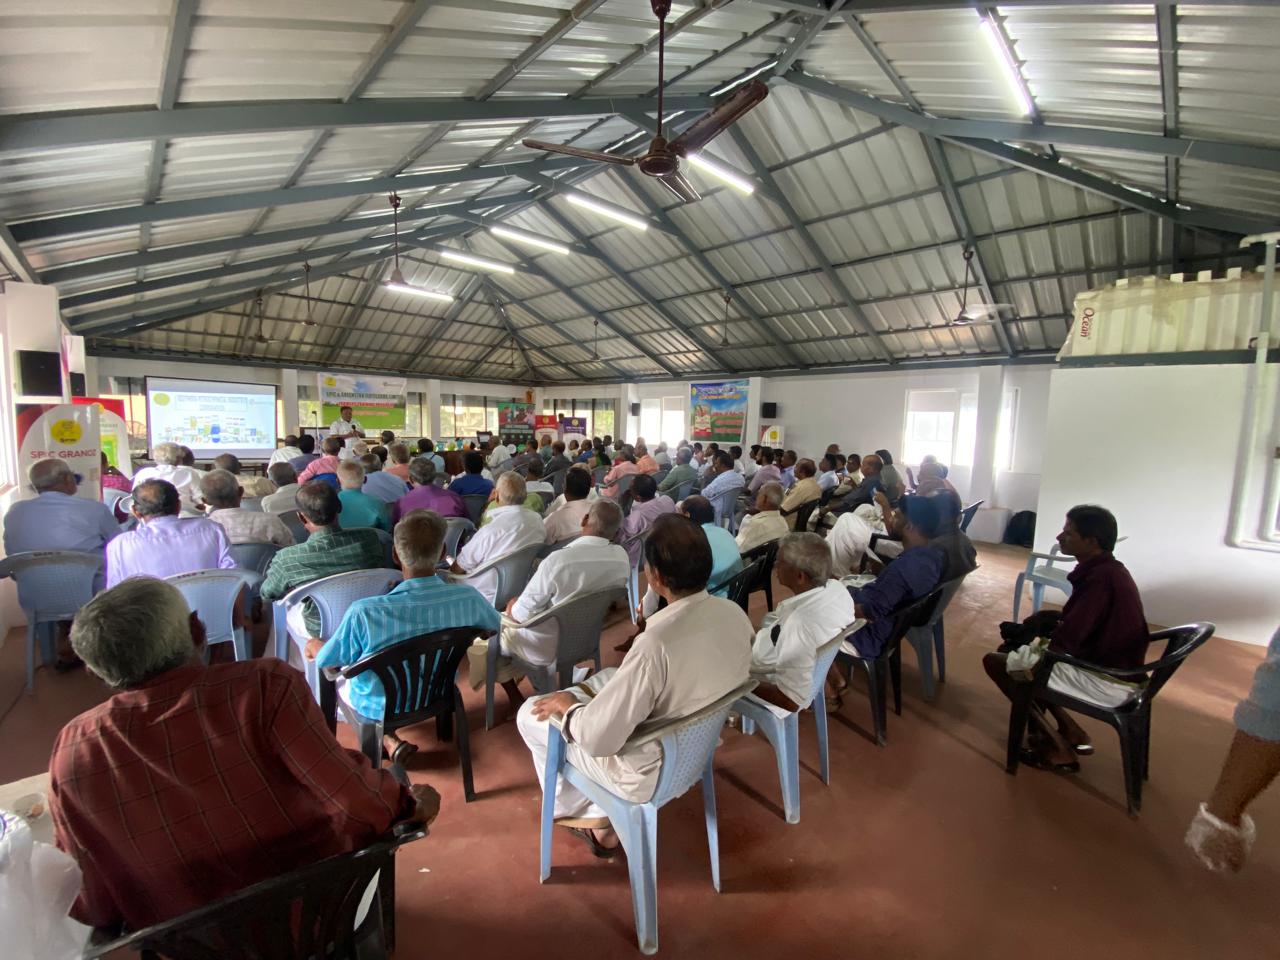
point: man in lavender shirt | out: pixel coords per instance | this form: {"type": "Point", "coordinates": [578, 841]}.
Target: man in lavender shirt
{"type": "Point", "coordinates": [646, 506]}
{"type": "Point", "coordinates": [164, 544]}
{"type": "Point", "coordinates": [767, 472]}
{"type": "Point", "coordinates": [425, 495]}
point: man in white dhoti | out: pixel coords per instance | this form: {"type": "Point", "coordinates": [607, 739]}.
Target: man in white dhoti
{"type": "Point", "coordinates": [695, 650]}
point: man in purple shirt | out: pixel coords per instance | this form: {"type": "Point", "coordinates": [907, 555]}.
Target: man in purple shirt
{"type": "Point", "coordinates": [767, 472]}
{"type": "Point", "coordinates": [164, 544]}
{"type": "Point", "coordinates": [646, 507]}
{"type": "Point", "coordinates": [425, 495]}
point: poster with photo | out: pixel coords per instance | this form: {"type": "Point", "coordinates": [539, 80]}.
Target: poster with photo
{"type": "Point", "coordinates": [377, 403]}
{"type": "Point", "coordinates": [516, 420]}
{"type": "Point", "coordinates": [718, 411]}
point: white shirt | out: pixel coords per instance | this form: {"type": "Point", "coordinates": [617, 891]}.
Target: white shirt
{"type": "Point", "coordinates": [747, 467]}
{"type": "Point", "coordinates": [538, 486]}
{"type": "Point", "coordinates": [850, 537]}
{"type": "Point", "coordinates": [587, 565]}
{"type": "Point", "coordinates": [828, 480]}
{"type": "Point", "coordinates": [759, 528]}
{"type": "Point", "coordinates": [252, 526]}
{"type": "Point", "coordinates": [344, 428]}
{"type": "Point", "coordinates": [283, 500]}
{"type": "Point", "coordinates": [186, 479]}
{"type": "Point", "coordinates": [565, 521]}
{"type": "Point", "coordinates": [509, 529]}
{"type": "Point", "coordinates": [807, 622]}
{"type": "Point", "coordinates": [500, 455]}
{"type": "Point", "coordinates": [284, 455]}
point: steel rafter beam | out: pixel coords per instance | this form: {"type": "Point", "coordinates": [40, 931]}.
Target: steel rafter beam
{"type": "Point", "coordinates": [433, 334]}
{"type": "Point", "coordinates": [501, 313]}
{"type": "Point", "coordinates": [745, 40]}
{"type": "Point", "coordinates": [558, 31]}
{"type": "Point", "coordinates": [914, 6]}
{"type": "Point", "coordinates": [808, 33]}
{"type": "Point", "coordinates": [1211, 151]}
{"type": "Point", "coordinates": [941, 170]}
{"type": "Point", "coordinates": [14, 260]}
{"type": "Point", "coordinates": [806, 240]}
{"type": "Point", "coordinates": [556, 325]}
{"type": "Point", "coordinates": [404, 25]}
{"type": "Point", "coordinates": [373, 280]}
{"type": "Point", "coordinates": [1167, 37]}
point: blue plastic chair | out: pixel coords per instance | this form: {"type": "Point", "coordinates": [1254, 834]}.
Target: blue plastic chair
{"type": "Point", "coordinates": [726, 507]}
{"type": "Point", "coordinates": [329, 478]}
{"type": "Point", "coordinates": [784, 732]}
{"type": "Point", "coordinates": [688, 753]}
{"type": "Point", "coordinates": [212, 594]}
{"type": "Point", "coordinates": [929, 638]}
{"type": "Point", "coordinates": [684, 490]}
{"type": "Point", "coordinates": [52, 587]}
{"type": "Point", "coordinates": [253, 557]}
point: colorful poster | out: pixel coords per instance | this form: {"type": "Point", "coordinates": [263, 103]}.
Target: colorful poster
{"type": "Point", "coordinates": [771, 435]}
{"type": "Point", "coordinates": [545, 425]}
{"type": "Point", "coordinates": [113, 430]}
{"type": "Point", "coordinates": [378, 403]}
{"type": "Point", "coordinates": [718, 411]}
{"type": "Point", "coordinates": [64, 432]}
{"type": "Point", "coordinates": [571, 427]}
{"type": "Point", "coordinates": [516, 419]}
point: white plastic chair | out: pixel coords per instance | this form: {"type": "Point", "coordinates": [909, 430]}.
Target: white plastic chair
{"type": "Point", "coordinates": [1041, 576]}
{"type": "Point", "coordinates": [579, 623]}
{"type": "Point", "coordinates": [456, 529]}
{"type": "Point", "coordinates": [688, 752]}
{"type": "Point", "coordinates": [52, 587]}
{"type": "Point", "coordinates": [784, 732]}
{"type": "Point", "coordinates": [212, 594]}
{"type": "Point", "coordinates": [512, 570]}
{"type": "Point", "coordinates": [253, 504]}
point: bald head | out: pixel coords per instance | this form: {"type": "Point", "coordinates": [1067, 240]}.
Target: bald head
{"type": "Point", "coordinates": [51, 476]}
{"type": "Point", "coordinates": [603, 519]}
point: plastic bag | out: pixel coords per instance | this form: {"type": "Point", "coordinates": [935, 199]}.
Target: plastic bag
{"type": "Point", "coordinates": [1021, 663]}
{"type": "Point", "coordinates": [38, 885]}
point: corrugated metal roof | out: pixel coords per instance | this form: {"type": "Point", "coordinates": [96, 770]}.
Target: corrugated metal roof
{"type": "Point", "coordinates": [854, 221]}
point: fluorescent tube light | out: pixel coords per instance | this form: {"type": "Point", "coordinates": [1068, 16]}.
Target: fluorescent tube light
{"type": "Point", "coordinates": [518, 236]}
{"type": "Point", "coordinates": [1008, 67]}
{"type": "Point", "coordinates": [732, 84]}
{"type": "Point", "coordinates": [731, 177]}
{"type": "Point", "coordinates": [614, 213]}
{"type": "Point", "coordinates": [396, 282]}
{"type": "Point", "coordinates": [458, 256]}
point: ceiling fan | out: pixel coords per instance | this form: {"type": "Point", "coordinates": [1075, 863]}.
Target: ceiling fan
{"type": "Point", "coordinates": [971, 313]}
{"type": "Point", "coordinates": [662, 161]}
{"type": "Point", "coordinates": [261, 336]}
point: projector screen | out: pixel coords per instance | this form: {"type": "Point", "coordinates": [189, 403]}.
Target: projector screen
{"type": "Point", "coordinates": [212, 417]}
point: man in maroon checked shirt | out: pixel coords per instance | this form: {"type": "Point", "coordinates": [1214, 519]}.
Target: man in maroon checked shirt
{"type": "Point", "coordinates": [195, 781]}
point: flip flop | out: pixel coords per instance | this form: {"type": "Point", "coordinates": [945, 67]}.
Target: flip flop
{"type": "Point", "coordinates": [1033, 759]}
{"type": "Point", "coordinates": [1083, 749]}
{"type": "Point", "coordinates": [598, 849]}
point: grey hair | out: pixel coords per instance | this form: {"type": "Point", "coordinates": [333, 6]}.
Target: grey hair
{"type": "Point", "coordinates": [136, 630]}
{"type": "Point", "coordinates": [419, 538]}
{"type": "Point", "coordinates": [605, 516]}
{"type": "Point", "coordinates": [371, 463]}
{"type": "Point", "coordinates": [282, 474]}
{"type": "Point", "coordinates": [808, 553]}
{"type": "Point", "coordinates": [168, 453]}
{"type": "Point", "coordinates": [511, 489]}
{"type": "Point", "coordinates": [220, 488]}
{"type": "Point", "coordinates": [45, 475]}
{"type": "Point", "coordinates": [351, 474]}
{"type": "Point", "coordinates": [684, 455]}
{"type": "Point", "coordinates": [422, 471]}
{"type": "Point", "coordinates": [772, 494]}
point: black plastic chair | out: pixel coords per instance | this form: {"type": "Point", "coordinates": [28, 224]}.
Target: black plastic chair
{"type": "Point", "coordinates": [1132, 719]}
{"type": "Point", "coordinates": [888, 664]}
{"type": "Point", "coordinates": [967, 515]}
{"type": "Point", "coordinates": [418, 678]}
{"type": "Point", "coordinates": [738, 587]}
{"type": "Point", "coordinates": [802, 513]}
{"type": "Point", "coordinates": [475, 503]}
{"type": "Point", "coordinates": [556, 479]}
{"type": "Point", "coordinates": [769, 553]}
{"type": "Point", "coordinates": [306, 914]}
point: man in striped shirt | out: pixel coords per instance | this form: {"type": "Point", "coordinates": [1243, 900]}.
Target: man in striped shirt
{"type": "Point", "coordinates": [327, 550]}
{"type": "Point", "coordinates": [422, 603]}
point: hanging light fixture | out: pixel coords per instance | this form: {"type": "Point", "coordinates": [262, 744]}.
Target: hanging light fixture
{"type": "Point", "coordinates": [724, 328]}
{"type": "Point", "coordinates": [595, 342]}
{"type": "Point", "coordinates": [397, 281]}
{"type": "Point", "coordinates": [306, 279]}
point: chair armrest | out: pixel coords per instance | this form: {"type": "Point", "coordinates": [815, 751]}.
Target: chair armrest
{"type": "Point", "coordinates": [1050, 557]}
{"type": "Point", "coordinates": [1138, 673]}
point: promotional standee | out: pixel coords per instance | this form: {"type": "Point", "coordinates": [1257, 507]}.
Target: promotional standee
{"type": "Point", "coordinates": [718, 411]}
{"type": "Point", "coordinates": [66, 432]}
{"type": "Point", "coordinates": [113, 430]}
{"type": "Point", "coordinates": [377, 403]}
{"type": "Point", "coordinates": [516, 420]}
{"type": "Point", "coordinates": [546, 426]}
{"type": "Point", "coordinates": [771, 435]}
{"type": "Point", "coordinates": [573, 428]}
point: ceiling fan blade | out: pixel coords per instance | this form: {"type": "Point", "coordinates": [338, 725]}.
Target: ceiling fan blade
{"type": "Point", "coordinates": [728, 112]}
{"type": "Point", "coordinates": [681, 187]}
{"type": "Point", "coordinates": [569, 151]}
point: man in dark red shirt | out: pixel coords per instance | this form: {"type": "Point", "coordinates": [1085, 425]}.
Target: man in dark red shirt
{"type": "Point", "coordinates": [1102, 623]}
{"type": "Point", "coordinates": [195, 781]}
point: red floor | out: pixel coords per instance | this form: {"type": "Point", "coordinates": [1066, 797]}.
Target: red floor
{"type": "Point", "coordinates": [923, 849]}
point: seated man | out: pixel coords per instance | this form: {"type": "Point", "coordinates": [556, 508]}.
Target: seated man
{"type": "Point", "coordinates": [661, 457]}
{"type": "Point", "coordinates": [284, 500]}
{"type": "Point", "coordinates": [499, 452]}
{"type": "Point", "coordinates": [624, 464]}
{"type": "Point", "coordinates": [526, 455]}
{"type": "Point", "coordinates": [764, 523]}
{"type": "Point", "coordinates": [726, 562]}
{"type": "Point", "coordinates": [765, 471]}
{"type": "Point", "coordinates": [358, 508]}
{"type": "Point", "coordinates": [425, 495]}
{"type": "Point", "coordinates": [57, 519]}
{"type": "Point", "coordinates": [680, 474]}
{"type": "Point", "coordinates": [421, 603]}
{"type": "Point", "coordinates": [890, 479]}
{"type": "Point", "coordinates": [933, 479]}
{"type": "Point", "coordinates": [827, 479]}
{"type": "Point", "coordinates": [285, 452]}
{"type": "Point", "coordinates": [511, 527]}
{"type": "Point", "coordinates": [222, 495]}
{"type": "Point", "coordinates": [387, 437]}
{"type": "Point", "coordinates": [253, 486]}
{"type": "Point", "coordinates": [646, 506]}
{"type": "Point", "coordinates": [565, 521]}
{"type": "Point", "coordinates": [787, 461]}
{"type": "Point", "coordinates": [558, 459]}
{"type": "Point", "coordinates": [850, 538]}
{"type": "Point", "coordinates": [962, 557]}
{"type": "Point", "coordinates": [725, 483]}
{"type": "Point", "coordinates": [384, 486]}
{"type": "Point", "coordinates": [307, 444]}
{"type": "Point", "coordinates": [170, 468]}
{"type": "Point", "coordinates": [804, 490]}
{"type": "Point", "coordinates": [865, 492]}
{"type": "Point", "coordinates": [472, 481]}
{"type": "Point", "coordinates": [1102, 623]}
{"type": "Point", "coordinates": [130, 778]}
{"type": "Point", "coordinates": [328, 463]}
{"type": "Point", "coordinates": [164, 544]}
{"type": "Point", "coordinates": [645, 463]}
{"type": "Point", "coordinates": [428, 449]}
{"type": "Point", "coordinates": [327, 550]}
{"type": "Point", "coordinates": [787, 643]}
{"type": "Point", "coordinates": [590, 564]}
{"type": "Point", "coordinates": [398, 467]}
{"type": "Point", "coordinates": [693, 652]}
{"type": "Point", "coordinates": [911, 576]}
{"type": "Point", "coordinates": [533, 482]}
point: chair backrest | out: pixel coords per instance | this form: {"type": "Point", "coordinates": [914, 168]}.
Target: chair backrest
{"type": "Point", "coordinates": [211, 594]}
{"type": "Point", "coordinates": [598, 474]}
{"type": "Point", "coordinates": [768, 552]}
{"type": "Point", "coordinates": [125, 505]}
{"type": "Point", "coordinates": [946, 590]}
{"type": "Point", "coordinates": [556, 479]}
{"type": "Point", "coordinates": [251, 503]}
{"type": "Point", "coordinates": [417, 675]}
{"type": "Point", "coordinates": [914, 613]}
{"type": "Point", "coordinates": [547, 549]}
{"type": "Point", "coordinates": [726, 505]}
{"type": "Point", "coordinates": [547, 499]}
{"type": "Point", "coordinates": [512, 570]}
{"type": "Point", "coordinates": [459, 530]}
{"type": "Point", "coordinates": [291, 520]}
{"type": "Point", "coordinates": [580, 621]}
{"type": "Point", "coordinates": [111, 496]}
{"type": "Point", "coordinates": [1180, 642]}
{"type": "Point", "coordinates": [661, 475]}
{"type": "Point", "coordinates": [332, 595]}
{"type": "Point", "coordinates": [827, 494]}
{"type": "Point", "coordinates": [684, 489]}
{"type": "Point", "coordinates": [253, 556]}
{"type": "Point", "coordinates": [738, 588]}
{"type": "Point", "coordinates": [53, 584]}
{"type": "Point", "coordinates": [476, 503]}
{"type": "Point", "coordinates": [301, 915]}
{"type": "Point", "coordinates": [388, 545]}
{"type": "Point", "coordinates": [825, 656]}
{"type": "Point", "coordinates": [966, 516]}
{"type": "Point", "coordinates": [803, 512]}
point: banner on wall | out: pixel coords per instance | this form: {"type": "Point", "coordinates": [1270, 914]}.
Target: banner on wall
{"type": "Point", "coordinates": [771, 435]}
{"type": "Point", "coordinates": [66, 432]}
{"type": "Point", "coordinates": [113, 430]}
{"type": "Point", "coordinates": [516, 419]}
{"type": "Point", "coordinates": [378, 403]}
{"type": "Point", "coordinates": [718, 411]}
{"type": "Point", "coordinates": [545, 425]}
{"type": "Point", "coordinates": [571, 427]}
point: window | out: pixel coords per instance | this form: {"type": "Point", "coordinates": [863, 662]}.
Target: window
{"type": "Point", "coordinates": [309, 406]}
{"type": "Point", "coordinates": [597, 413]}
{"type": "Point", "coordinates": [416, 421]}
{"type": "Point", "coordinates": [651, 419]}
{"type": "Point", "coordinates": [931, 425]}
{"type": "Point", "coordinates": [1007, 430]}
{"type": "Point", "coordinates": [966, 431]}
{"type": "Point", "coordinates": [674, 428]}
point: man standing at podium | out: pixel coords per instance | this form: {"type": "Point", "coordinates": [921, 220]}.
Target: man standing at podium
{"type": "Point", "coordinates": [344, 426]}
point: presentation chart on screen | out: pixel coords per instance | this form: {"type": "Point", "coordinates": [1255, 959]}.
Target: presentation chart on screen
{"type": "Point", "coordinates": [212, 417]}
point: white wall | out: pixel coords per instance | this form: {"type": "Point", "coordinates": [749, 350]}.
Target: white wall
{"type": "Point", "coordinates": [1019, 488]}
{"type": "Point", "coordinates": [1158, 446]}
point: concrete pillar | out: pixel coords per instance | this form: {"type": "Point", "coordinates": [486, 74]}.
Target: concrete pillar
{"type": "Point", "coordinates": [755, 394]}
{"type": "Point", "coordinates": [990, 401]}
{"type": "Point", "coordinates": [432, 391]}
{"type": "Point", "coordinates": [289, 401]}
